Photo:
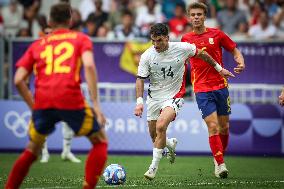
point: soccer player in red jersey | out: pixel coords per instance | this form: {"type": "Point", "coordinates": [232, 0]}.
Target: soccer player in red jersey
{"type": "Point", "coordinates": [210, 88]}
{"type": "Point", "coordinates": [57, 60]}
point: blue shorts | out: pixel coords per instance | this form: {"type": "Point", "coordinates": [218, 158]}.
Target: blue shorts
{"type": "Point", "coordinates": [209, 102]}
{"type": "Point", "coordinates": [82, 122]}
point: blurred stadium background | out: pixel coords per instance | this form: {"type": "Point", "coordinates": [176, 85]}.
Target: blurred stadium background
{"type": "Point", "coordinates": [119, 31]}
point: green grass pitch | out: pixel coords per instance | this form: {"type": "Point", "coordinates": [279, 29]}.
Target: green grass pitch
{"type": "Point", "coordinates": [186, 172]}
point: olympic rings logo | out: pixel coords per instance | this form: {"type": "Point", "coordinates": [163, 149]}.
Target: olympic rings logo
{"type": "Point", "coordinates": [17, 123]}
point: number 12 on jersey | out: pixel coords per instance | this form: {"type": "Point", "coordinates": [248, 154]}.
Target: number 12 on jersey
{"type": "Point", "coordinates": [64, 51]}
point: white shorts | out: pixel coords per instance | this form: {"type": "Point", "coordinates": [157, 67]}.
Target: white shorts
{"type": "Point", "coordinates": [154, 107]}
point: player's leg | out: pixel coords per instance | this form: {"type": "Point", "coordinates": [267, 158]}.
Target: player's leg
{"type": "Point", "coordinates": [222, 170]}
{"type": "Point", "coordinates": [171, 143]}
{"type": "Point", "coordinates": [166, 116]}
{"type": "Point", "coordinates": [44, 153]}
{"type": "Point", "coordinates": [153, 112]}
{"type": "Point", "coordinates": [214, 139]}
{"type": "Point", "coordinates": [68, 135]}
{"type": "Point", "coordinates": [45, 124]}
{"type": "Point", "coordinates": [224, 131]}
{"type": "Point", "coordinates": [223, 111]}
{"type": "Point", "coordinates": [22, 165]}
{"type": "Point", "coordinates": [152, 130]}
{"type": "Point", "coordinates": [216, 145]}
{"type": "Point", "coordinates": [83, 123]}
{"type": "Point", "coordinates": [207, 105]}
{"type": "Point", "coordinates": [96, 159]}
{"type": "Point", "coordinates": [150, 174]}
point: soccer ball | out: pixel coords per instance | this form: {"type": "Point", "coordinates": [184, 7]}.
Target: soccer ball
{"type": "Point", "coordinates": [114, 174]}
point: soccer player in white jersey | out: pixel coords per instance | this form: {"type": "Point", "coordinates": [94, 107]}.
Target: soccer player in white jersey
{"type": "Point", "coordinates": [164, 64]}
{"type": "Point", "coordinates": [66, 154]}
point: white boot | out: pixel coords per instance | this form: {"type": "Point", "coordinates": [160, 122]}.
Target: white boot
{"type": "Point", "coordinates": [221, 170]}
{"type": "Point", "coordinates": [171, 145]}
{"type": "Point", "coordinates": [44, 154]}
{"type": "Point", "coordinates": [157, 155]}
{"type": "Point", "coordinates": [67, 137]}
{"type": "Point", "coordinates": [70, 156]}
{"type": "Point", "coordinates": [151, 173]}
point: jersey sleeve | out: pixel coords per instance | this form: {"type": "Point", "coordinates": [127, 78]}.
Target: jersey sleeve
{"type": "Point", "coordinates": [86, 44]}
{"type": "Point", "coordinates": [227, 42]}
{"type": "Point", "coordinates": [190, 49]}
{"type": "Point", "coordinates": [183, 39]}
{"type": "Point", "coordinates": [27, 60]}
{"type": "Point", "coordinates": [143, 67]}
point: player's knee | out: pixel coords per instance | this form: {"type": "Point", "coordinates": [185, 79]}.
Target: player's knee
{"type": "Point", "coordinates": [99, 137]}
{"type": "Point", "coordinates": [224, 128]}
{"type": "Point", "coordinates": [160, 127]}
{"type": "Point", "coordinates": [212, 128]}
{"type": "Point", "coordinates": [35, 148]}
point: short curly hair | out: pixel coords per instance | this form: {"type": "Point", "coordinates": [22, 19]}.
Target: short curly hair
{"type": "Point", "coordinates": [159, 29]}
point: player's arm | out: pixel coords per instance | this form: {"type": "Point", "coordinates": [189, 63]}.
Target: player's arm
{"type": "Point", "coordinates": [208, 59]}
{"type": "Point", "coordinates": [228, 44]}
{"type": "Point", "coordinates": [91, 78]}
{"type": "Point", "coordinates": [139, 96]}
{"type": "Point", "coordinates": [20, 78]}
{"type": "Point", "coordinates": [238, 57]}
{"type": "Point", "coordinates": [142, 74]}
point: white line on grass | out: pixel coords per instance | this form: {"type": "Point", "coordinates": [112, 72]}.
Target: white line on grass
{"type": "Point", "coordinates": [52, 187]}
{"type": "Point", "coordinates": [196, 184]}
{"type": "Point", "coordinates": [174, 184]}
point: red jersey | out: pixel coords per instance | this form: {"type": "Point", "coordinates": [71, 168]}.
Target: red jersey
{"type": "Point", "coordinates": [56, 61]}
{"type": "Point", "coordinates": [203, 76]}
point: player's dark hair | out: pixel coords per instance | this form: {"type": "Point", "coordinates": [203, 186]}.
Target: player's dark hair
{"type": "Point", "coordinates": [60, 13]}
{"type": "Point", "coordinates": [159, 29]}
{"type": "Point", "coordinates": [198, 5]}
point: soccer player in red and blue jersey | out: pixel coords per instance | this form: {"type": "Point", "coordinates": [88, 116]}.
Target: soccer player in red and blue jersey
{"type": "Point", "coordinates": [57, 60]}
{"type": "Point", "coordinates": [210, 88]}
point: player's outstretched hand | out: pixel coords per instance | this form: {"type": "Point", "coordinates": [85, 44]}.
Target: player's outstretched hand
{"type": "Point", "coordinates": [225, 73]}
{"type": "Point", "coordinates": [138, 110]}
{"type": "Point", "coordinates": [239, 68]}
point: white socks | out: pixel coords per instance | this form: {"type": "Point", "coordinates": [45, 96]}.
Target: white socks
{"type": "Point", "coordinates": [157, 155]}
{"type": "Point", "coordinates": [44, 150]}
{"type": "Point", "coordinates": [67, 145]}
{"type": "Point", "coordinates": [67, 137]}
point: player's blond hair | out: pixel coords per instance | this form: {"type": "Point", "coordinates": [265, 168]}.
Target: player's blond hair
{"type": "Point", "coordinates": [197, 5]}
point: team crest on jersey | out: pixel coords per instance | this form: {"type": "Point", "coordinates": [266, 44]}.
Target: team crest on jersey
{"type": "Point", "coordinates": [211, 40]}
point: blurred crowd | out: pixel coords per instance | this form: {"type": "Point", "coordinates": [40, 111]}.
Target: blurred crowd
{"type": "Point", "coordinates": [128, 19]}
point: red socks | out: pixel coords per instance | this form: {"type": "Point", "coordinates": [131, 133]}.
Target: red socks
{"type": "Point", "coordinates": [216, 148]}
{"type": "Point", "coordinates": [95, 164]}
{"type": "Point", "coordinates": [20, 170]}
{"type": "Point", "coordinates": [94, 167]}
{"type": "Point", "coordinates": [225, 141]}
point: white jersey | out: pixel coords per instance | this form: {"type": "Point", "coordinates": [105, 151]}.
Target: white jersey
{"type": "Point", "coordinates": [166, 70]}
